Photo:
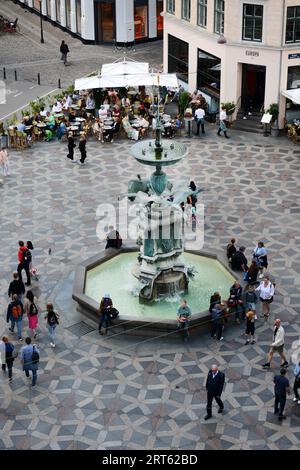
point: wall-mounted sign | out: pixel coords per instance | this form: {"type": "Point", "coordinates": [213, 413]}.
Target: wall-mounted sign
{"type": "Point", "coordinates": [294, 56]}
{"type": "Point", "coordinates": [253, 53]}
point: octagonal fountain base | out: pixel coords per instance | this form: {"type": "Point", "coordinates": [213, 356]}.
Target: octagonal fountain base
{"type": "Point", "coordinates": [111, 271]}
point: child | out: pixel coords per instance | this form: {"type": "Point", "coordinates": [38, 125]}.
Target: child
{"type": "Point", "coordinates": [251, 299]}
{"type": "Point", "coordinates": [250, 326]}
{"type": "Point", "coordinates": [4, 162]}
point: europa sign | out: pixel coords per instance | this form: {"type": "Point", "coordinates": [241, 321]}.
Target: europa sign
{"type": "Point", "coordinates": [253, 53]}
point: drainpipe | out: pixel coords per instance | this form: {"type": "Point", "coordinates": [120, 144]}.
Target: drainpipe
{"type": "Point", "coordinates": [281, 52]}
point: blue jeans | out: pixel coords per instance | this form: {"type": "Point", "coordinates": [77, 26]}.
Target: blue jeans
{"type": "Point", "coordinates": [185, 327]}
{"type": "Point", "coordinates": [51, 329]}
{"type": "Point", "coordinates": [19, 326]}
{"type": "Point", "coordinates": [104, 321]}
{"type": "Point", "coordinates": [34, 375]}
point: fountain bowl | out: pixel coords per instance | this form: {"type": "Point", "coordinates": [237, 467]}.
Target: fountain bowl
{"type": "Point", "coordinates": [135, 320]}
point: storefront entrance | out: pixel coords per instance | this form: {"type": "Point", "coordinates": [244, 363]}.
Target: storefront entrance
{"type": "Point", "coordinates": [105, 21]}
{"type": "Point", "coordinates": [253, 87]}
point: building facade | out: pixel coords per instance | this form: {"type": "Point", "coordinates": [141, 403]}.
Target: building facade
{"type": "Point", "coordinates": [245, 51]}
{"type": "Point", "coordinates": [104, 21]}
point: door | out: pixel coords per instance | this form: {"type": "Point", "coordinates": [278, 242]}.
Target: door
{"type": "Point", "coordinates": [105, 21]}
{"type": "Point", "coordinates": [253, 87]}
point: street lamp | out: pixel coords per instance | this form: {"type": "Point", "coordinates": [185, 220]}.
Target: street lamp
{"type": "Point", "coordinates": [41, 17]}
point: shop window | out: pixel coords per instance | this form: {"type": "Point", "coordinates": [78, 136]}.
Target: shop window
{"type": "Point", "coordinates": [160, 19]}
{"type": "Point", "coordinates": [219, 17]}
{"type": "Point", "coordinates": [209, 72]}
{"type": "Point", "coordinates": [292, 33]}
{"type": "Point", "coordinates": [178, 57]}
{"type": "Point", "coordinates": [48, 5]}
{"type": "Point", "coordinates": [252, 22]}
{"type": "Point", "coordinates": [36, 5]}
{"type": "Point", "coordinates": [105, 18]}
{"type": "Point", "coordinates": [293, 77]}
{"type": "Point", "coordinates": [58, 10]}
{"type": "Point", "coordinates": [78, 16]}
{"type": "Point", "coordinates": [141, 21]}
{"type": "Point", "coordinates": [68, 14]}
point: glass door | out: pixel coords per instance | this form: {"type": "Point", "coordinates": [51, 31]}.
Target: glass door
{"type": "Point", "coordinates": [141, 21]}
{"type": "Point", "coordinates": [105, 21]}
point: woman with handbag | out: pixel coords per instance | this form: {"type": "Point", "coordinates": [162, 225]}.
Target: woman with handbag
{"type": "Point", "coordinates": [223, 121]}
{"type": "Point", "coordinates": [266, 292]}
{"type": "Point", "coordinates": [52, 321]}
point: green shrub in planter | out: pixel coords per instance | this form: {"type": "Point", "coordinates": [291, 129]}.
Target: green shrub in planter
{"type": "Point", "coordinates": [229, 106]}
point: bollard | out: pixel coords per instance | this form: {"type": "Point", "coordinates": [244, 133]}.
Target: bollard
{"type": "Point", "coordinates": [59, 85]}
{"type": "Point", "coordinates": [39, 79]}
{"type": "Point", "coordinates": [4, 73]}
{"type": "Point", "coordinates": [16, 77]}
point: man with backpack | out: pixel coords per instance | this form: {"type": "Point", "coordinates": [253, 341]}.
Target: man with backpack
{"type": "Point", "coordinates": [24, 257]}
{"type": "Point", "coordinates": [52, 321]}
{"type": "Point", "coordinates": [30, 356]}
{"type": "Point", "coordinates": [14, 315]}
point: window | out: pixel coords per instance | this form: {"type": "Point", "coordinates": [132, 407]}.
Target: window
{"type": "Point", "coordinates": [292, 33]}
{"type": "Point", "coordinates": [160, 19]}
{"type": "Point", "coordinates": [58, 15]}
{"type": "Point", "coordinates": [178, 57]}
{"type": "Point", "coordinates": [141, 21]}
{"type": "Point", "coordinates": [209, 73]}
{"type": "Point", "coordinates": [202, 13]}
{"type": "Point", "coordinates": [171, 6]}
{"type": "Point", "coordinates": [252, 22]}
{"type": "Point", "coordinates": [219, 16]}
{"type": "Point", "coordinates": [68, 14]}
{"type": "Point", "coordinates": [36, 5]}
{"type": "Point", "coordinates": [48, 6]}
{"type": "Point", "coordinates": [78, 16]}
{"type": "Point", "coordinates": [186, 10]}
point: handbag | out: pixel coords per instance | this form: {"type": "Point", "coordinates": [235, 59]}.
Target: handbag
{"type": "Point", "coordinates": [35, 356]}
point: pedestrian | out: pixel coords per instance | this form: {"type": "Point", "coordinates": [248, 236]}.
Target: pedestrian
{"type": "Point", "coordinates": [281, 388]}
{"type": "Point", "coordinates": [7, 356]}
{"type": "Point", "coordinates": [32, 312]}
{"type": "Point", "coordinates": [16, 287]}
{"type": "Point", "coordinates": [239, 261]}
{"type": "Point", "coordinates": [277, 345]}
{"type": "Point", "coordinates": [184, 318]}
{"type": "Point", "coordinates": [105, 305]}
{"type": "Point", "coordinates": [266, 292]}
{"type": "Point", "coordinates": [252, 273]}
{"type": "Point", "coordinates": [217, 314]}
{"type": "Point", "coordinates": [4, 162]}
{"type": "Point", "coordinates": [260, 256]}
{"type": "Point", "coordinates": [14, 315]}
{"type": "Point", "coordinates": [52, 318]}
{"type": "Point", "coordinates": [223, 120]}
{"type": "Point", "coordinates": [29, 356]}
{"type": "Point", "coordinates": [251, 299]}
{"type": "Point", "coordinates": [214, 300]}
{"type": "Point", "coordinates": [199, 117]}
{"type": "Point", "coordinates": [24, 257]}
{"type": "Point", "coordinates": [71, 146]}
{"type": "Point", "coordinates": [230, 250]}
{"type": "Point", "coordinates": [250, 326]}
{"type": "Point", "coordinates": [214, 387]}
{"type": "Point", "coordinates": [296, 383]}
{"type": "Point", "coordinates": [235, 302]}
{"type": "Point", "coordinates": [64, 49]}
{"type": "Point", "coordinates": [82, 148]}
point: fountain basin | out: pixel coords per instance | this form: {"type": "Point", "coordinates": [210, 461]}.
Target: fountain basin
{"type": "Point", "coordinates": [111, 271]}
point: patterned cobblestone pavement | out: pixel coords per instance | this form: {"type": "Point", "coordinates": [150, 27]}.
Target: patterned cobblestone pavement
{"type": "Point", "coordinates": [135, 393]}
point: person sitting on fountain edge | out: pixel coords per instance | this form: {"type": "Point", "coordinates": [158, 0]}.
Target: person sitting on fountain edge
{"type": "Point", "coordinates": [104, 310]}
{"type": "Point", "coordinates": [183, 318]}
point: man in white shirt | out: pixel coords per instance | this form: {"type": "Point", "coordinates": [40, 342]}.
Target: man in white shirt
{"type": "Point", "coordinates": [199, 117]}
{"type": "Point", "coordinates": [57, 107]}
{"type": "Point", "coordinates": [277, 345]}
{"type": "Point", "coordinates": [222, 125]}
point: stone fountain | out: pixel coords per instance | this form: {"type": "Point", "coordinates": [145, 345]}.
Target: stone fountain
{"type": "Point", "coordinates": [160, 269]}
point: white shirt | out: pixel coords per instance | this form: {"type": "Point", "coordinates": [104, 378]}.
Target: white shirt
{"type": "Point", "coordinates": [223, 115]}
{"type": "Point", "coordinates": [265, 292]}
{"type": "Point", "coordinates": [57, 108]}
{"type": "Point", "coordinates": [199, 113]}
{"type": "Point", "coordinates": [279, 337]}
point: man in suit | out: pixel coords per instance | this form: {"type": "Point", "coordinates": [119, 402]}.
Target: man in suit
{"type": "Point", "coordinates": [214, 386]}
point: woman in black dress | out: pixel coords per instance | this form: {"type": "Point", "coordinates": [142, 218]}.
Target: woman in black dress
{"type": "Point", "coordinates": [71, 146]}
{"type": "Point", "coordinates": [82, 145]}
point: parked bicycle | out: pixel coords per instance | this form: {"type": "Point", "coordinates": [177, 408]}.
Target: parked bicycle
{"type": "Point", "coordinates": [8, 26]}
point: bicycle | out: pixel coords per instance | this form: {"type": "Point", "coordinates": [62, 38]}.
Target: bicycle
{"type": "Point", "coordinates": [125, 46]}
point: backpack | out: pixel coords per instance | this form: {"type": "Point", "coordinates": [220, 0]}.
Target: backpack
{"type": "Point", "coordinates": [113, 313]}
{"type": "Point", "coordinates": [33, 310]}
{"type": "Point", "coordinates": [16, 311]}
{"type": "Point", "coordinates": [52, 319]}
{"type": "Point", "coordinates": [27, 256]}
{"type": "Point", "coordinates": [35, 356]}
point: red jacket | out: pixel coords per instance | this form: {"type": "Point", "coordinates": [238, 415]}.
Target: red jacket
{"type": "Point", "coordinates": [21, 253]}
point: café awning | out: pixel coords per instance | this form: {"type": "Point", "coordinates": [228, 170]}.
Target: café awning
{"type": "Point", "coordinates": [124, 68]}
{"type": "Point", "coordinates": [127, 80]}
{"type": "Point", "coordinates": [293, 95]}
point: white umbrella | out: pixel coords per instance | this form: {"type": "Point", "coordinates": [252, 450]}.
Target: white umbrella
{"type": "Point", "coordinates": [293, 95]}
{"type": "Point", "coordinates": [124, 68]}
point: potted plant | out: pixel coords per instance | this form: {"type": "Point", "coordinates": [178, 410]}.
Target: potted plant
{"type": "Point", "coordinates": [230, 108]}
{"type": "Point", "coordinates": [183, 101]}
{"type": "Point", "coordinates": [273, 109]}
